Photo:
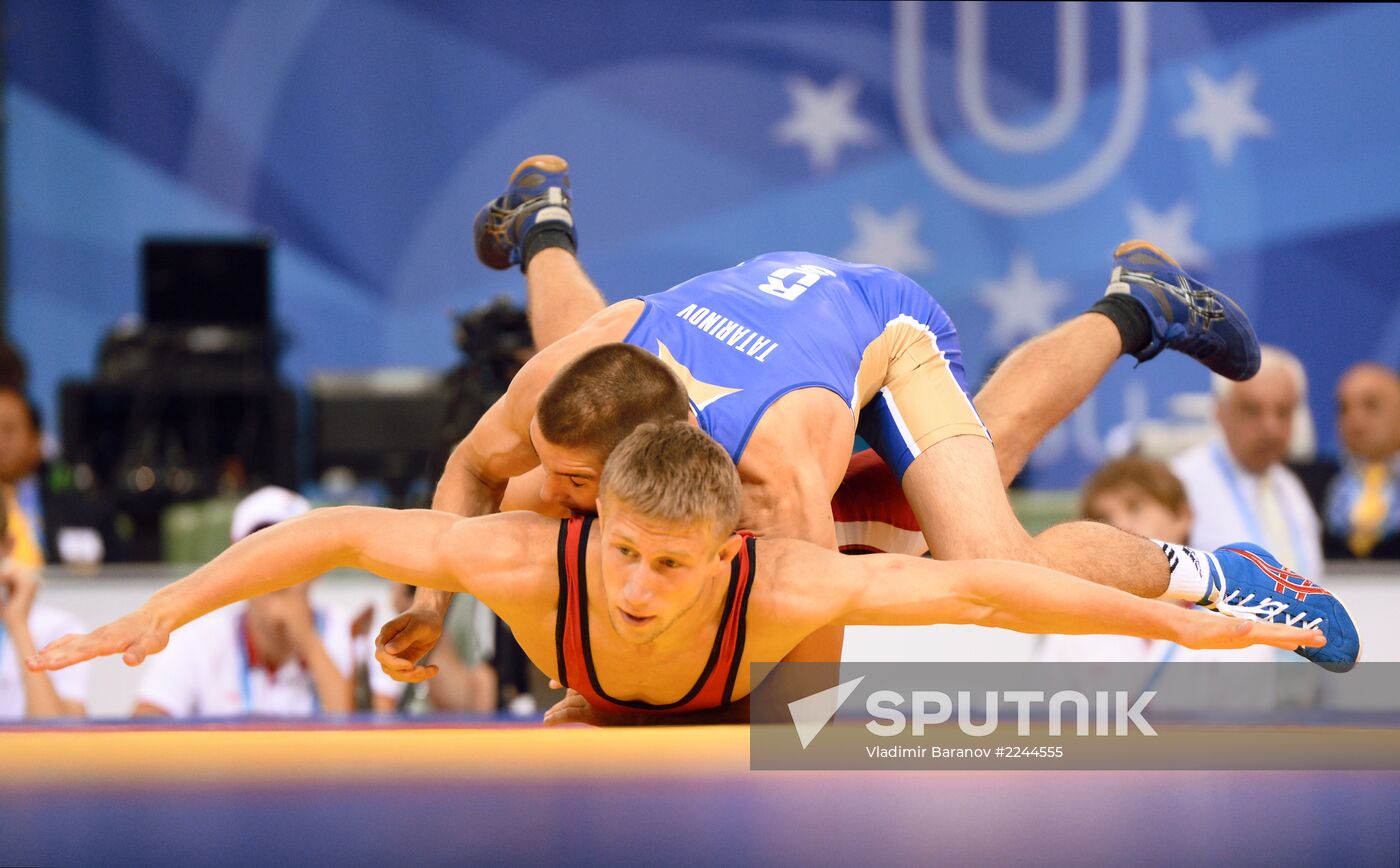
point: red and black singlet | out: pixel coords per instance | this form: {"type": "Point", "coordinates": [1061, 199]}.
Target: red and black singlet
{"type": "Point", "coordinates": [714, 687]}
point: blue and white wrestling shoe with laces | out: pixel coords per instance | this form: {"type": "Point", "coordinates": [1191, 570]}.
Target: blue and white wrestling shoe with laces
{"type": "Point", "coordinates": [1248, 582]}
{"type": "Point", "coordinates": [536, 197]}
{"type": "Point", "coordinates": [1186, 315]}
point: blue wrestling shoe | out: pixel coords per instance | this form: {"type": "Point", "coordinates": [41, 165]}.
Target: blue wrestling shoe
{"type": "Point", "coordinates": [1186, 315]}
{"type": "Point", "coordinates": [536, 197]}
{"type": "Point", "coordinates": [1248, 582]}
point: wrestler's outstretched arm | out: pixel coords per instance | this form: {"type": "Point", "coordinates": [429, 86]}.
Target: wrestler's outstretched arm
{"type": "Point", "coordinates": [497, 448]}
{"type": "Point", "coordinates": [489, 557]}
{"type": "Point", "coordinates": [901, 590]}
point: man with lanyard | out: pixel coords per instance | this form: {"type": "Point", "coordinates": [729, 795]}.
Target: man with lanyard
{"type": "Point", "coordinates": [278, 656]}
{"type": "Point", "coordinates": [1238, 485]}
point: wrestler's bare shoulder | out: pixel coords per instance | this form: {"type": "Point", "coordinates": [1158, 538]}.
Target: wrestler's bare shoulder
{"type": "Point", "coordinates": [794, 581]}
{"type": "Point", "coordinates": [514, 548]}
{"type": "Point", "coordinates": [613, 322]}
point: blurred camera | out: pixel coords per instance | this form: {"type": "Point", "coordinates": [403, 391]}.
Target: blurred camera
{"type": "Point", "coordinates": [495, 342]}
{"type": "Point", "coordinates": [495, 337]}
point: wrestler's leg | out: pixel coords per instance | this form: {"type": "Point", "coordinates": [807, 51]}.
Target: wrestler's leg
{"type": "Point", "coordinates": [559, 295]}
{"type": "Point", "coordinates": [956, 492]}
{"type": "Point", "coordinates": [531, 225]}
{"type": "Point", "coordinates": [1151, 305]}
{"type": "Point", "coordinates": [923, 425]}
{"type": "Point", "coordinates": [1041, 382]}
{"type": "Point", "coordinates": [873, 515]}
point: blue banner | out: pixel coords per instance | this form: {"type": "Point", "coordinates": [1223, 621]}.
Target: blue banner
{"type": "Point", "coordinates": [995, 152]}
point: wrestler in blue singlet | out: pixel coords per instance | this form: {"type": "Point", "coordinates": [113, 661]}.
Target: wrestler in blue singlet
{"type": "Point", "coordinates": [745, 336]}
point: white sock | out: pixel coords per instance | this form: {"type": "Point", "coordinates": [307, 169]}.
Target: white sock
{"type": "Point", "coordinates": [1190, 572]}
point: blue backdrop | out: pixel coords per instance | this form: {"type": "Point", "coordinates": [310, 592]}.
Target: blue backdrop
{"type": "Point", "coordinates": [995, 153]}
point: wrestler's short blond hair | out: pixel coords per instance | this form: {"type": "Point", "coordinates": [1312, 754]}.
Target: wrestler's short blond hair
{"type": "Point", "coordinates": [676, 473]}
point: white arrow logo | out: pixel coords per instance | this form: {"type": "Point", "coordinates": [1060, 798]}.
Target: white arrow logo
{"type": "Point", "coordinates": [811, 713]}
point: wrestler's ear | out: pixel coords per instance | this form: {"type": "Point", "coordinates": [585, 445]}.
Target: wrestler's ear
{"type": "Point", "coordinates": [730, 548]}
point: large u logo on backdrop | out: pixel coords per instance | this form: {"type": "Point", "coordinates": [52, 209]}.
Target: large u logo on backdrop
{"type": "Point", "coordinates": [970, 50]}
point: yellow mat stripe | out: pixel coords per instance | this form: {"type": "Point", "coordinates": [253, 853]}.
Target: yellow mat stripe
{"type": "Point", "coordinates": [174, 756]}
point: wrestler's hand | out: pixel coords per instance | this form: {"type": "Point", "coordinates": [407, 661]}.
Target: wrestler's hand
{"type": "Point", "coordinates": [1201, 629]}
{"type": "Point", "coordinates": [404, 641]}
{"type": "Point", "coordinates": [134, 636]}
{"type": "Point", "coordinates": [573, 708]}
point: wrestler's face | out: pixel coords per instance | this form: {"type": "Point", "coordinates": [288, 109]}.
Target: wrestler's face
{"type": "Point", "coordinates": [570, 475]}
{"type": "Point", "coordinates": [655, 574]}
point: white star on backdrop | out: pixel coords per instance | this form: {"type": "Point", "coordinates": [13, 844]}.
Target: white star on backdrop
{"type": "Point", "coordinates": [1222, 114]}
{"type": "Point", "coordinates": [888, 240]}
{"type": "Point", "coordinates": [1170, 231]}
{"type": "Point", "coordinates": [823, 120]}
{"type": "Point", "coordinates": [1022, 303]}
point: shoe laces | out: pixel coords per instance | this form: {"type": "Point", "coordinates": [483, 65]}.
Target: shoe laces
{"type": "Point", "coordinates": [505, 220]}
{"type": "Point", "coordinates": [1266, 609]}
{"type": "Point", "coordinates": [1201, 301]}
{"type": "Point", "coordinates": [1232, 604]}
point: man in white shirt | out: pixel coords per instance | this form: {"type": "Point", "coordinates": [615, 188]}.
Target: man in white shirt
{"type": "Point", "coordinates": [276, 656]}
{"type": "Point", "coordinates": [1237, 483]}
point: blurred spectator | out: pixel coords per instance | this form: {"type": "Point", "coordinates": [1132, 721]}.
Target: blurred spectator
{"type": "Point", "coordinates": [1237, 485]}
{"type": "Point", "coordinates": [14, 373]}
{"type": "Point", "coordinates": [21, 457]}
{"type": "Point", "coordinates": [1362, 507]}
{"type": "Point", "coordinates": [1144, 497]}
{"type": "Point", "coordinates": [48, 522]}
{"type": "Point", "coordinates": [1141, 496]}
{"type": "Point", "coordinates": [277, 655]}
{"type": "Point", "coordinates": [26, 626]}
{"type": "Point", "coordinates": [466, 680]}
